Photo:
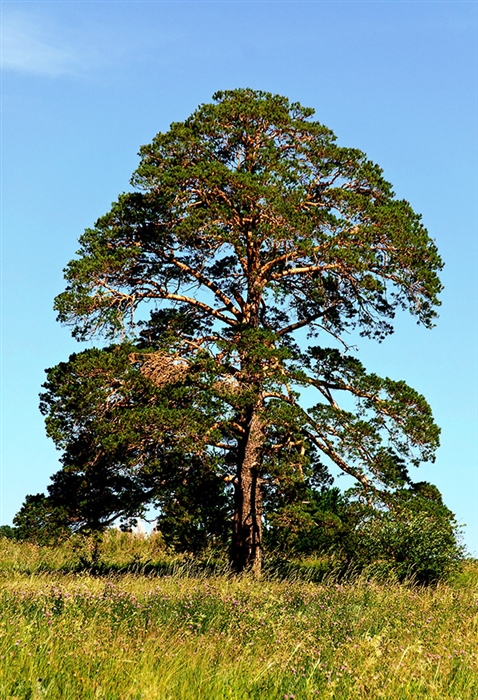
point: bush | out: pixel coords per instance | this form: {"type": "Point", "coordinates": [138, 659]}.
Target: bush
{"type": "Point", "coordinates": [418, 537]}
{"type": "Point", "coordinates": [7, 531]}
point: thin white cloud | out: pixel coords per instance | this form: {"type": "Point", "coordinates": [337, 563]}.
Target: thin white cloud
{"type": "Point", "coordinates": [31, 46]}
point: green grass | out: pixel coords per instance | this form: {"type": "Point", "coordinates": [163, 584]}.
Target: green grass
{"type": "Point", "coordinates": [131, 637]}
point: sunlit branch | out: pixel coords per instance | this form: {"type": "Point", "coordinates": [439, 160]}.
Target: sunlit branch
{"type": "Point", "coordinates": [302, 271]}
{"type": "Point", "coordinates": [207, 283]}
{"type": "Point", "coordinates": [201, 305]}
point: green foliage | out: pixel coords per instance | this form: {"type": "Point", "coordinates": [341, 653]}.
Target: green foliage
{"type": "Point", "coordinates": [313, 522]}
{"type": "Point", "coordinates": [7, 531]}
{"type": "Point", "coordinates": [40, 520]}
{"type": "Point", "coordinates": [417, 536]}
{"type": "Point", "coordinates": [194, 510]}
{"type": "Point", "coordinates": [125, 448]}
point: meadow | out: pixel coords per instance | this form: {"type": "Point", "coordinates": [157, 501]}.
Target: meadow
{"type": "Point", "coordinates": [122, 634]}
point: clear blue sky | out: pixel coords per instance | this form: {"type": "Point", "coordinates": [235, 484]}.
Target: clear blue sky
{"type": "Point", "coordinates": [86, 83]}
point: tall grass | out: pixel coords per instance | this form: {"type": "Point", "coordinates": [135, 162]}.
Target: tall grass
{"type": "Point", "coordinates": [130, 637]}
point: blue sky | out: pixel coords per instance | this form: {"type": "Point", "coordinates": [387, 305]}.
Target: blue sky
{"type": "Point", "coordinates": [85, 84]}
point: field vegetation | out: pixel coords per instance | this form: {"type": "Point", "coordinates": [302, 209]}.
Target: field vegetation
{"type": "Point", "coordinates": [145, 625]}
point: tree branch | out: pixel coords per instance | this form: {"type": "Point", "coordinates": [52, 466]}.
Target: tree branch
{"type": "Point", "coordinates": [200, 305]}
{"type": "Point", "coordinates": [206, 282]}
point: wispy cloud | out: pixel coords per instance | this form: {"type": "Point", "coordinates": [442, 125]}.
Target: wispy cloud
{"type": "Point", "coordinates": [31, 45]}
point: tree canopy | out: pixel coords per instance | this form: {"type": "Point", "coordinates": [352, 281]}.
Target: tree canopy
{"type": "Point", "coordinates": [248, 226]}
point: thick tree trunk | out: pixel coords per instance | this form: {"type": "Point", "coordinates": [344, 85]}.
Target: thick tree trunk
{"type": "Point", "coordinates": [246, 549]}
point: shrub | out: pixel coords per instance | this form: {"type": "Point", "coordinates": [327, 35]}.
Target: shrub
{"type": "Point", "coordinates": [418, 537]}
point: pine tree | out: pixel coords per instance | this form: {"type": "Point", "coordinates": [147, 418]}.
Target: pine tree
{"type": "Point", "coordinates": [248, 223]}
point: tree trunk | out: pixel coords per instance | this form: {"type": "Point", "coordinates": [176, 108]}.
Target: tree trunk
{"type": "Point", "coordinates": [246, 549]}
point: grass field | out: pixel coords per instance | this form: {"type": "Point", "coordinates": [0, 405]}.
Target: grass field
{"type": "Point", "coordinates": [65, 634]}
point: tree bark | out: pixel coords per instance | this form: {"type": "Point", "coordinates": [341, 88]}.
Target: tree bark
{"type": "Point", "coordinates": [246, 549]}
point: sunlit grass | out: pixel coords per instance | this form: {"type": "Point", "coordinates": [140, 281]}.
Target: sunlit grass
{"type": "Point", "coordinates": [132, 637]}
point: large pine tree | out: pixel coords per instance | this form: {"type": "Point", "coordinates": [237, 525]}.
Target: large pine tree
{"type": "Point", "coordinates": [248, 223]}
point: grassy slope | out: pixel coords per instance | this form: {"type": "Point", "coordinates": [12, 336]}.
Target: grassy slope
{"type": "Point", "coordinates": [129, 637]}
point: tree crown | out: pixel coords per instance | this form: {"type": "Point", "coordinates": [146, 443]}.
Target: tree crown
{"type": "Point", "coordinates": [251, 214]}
